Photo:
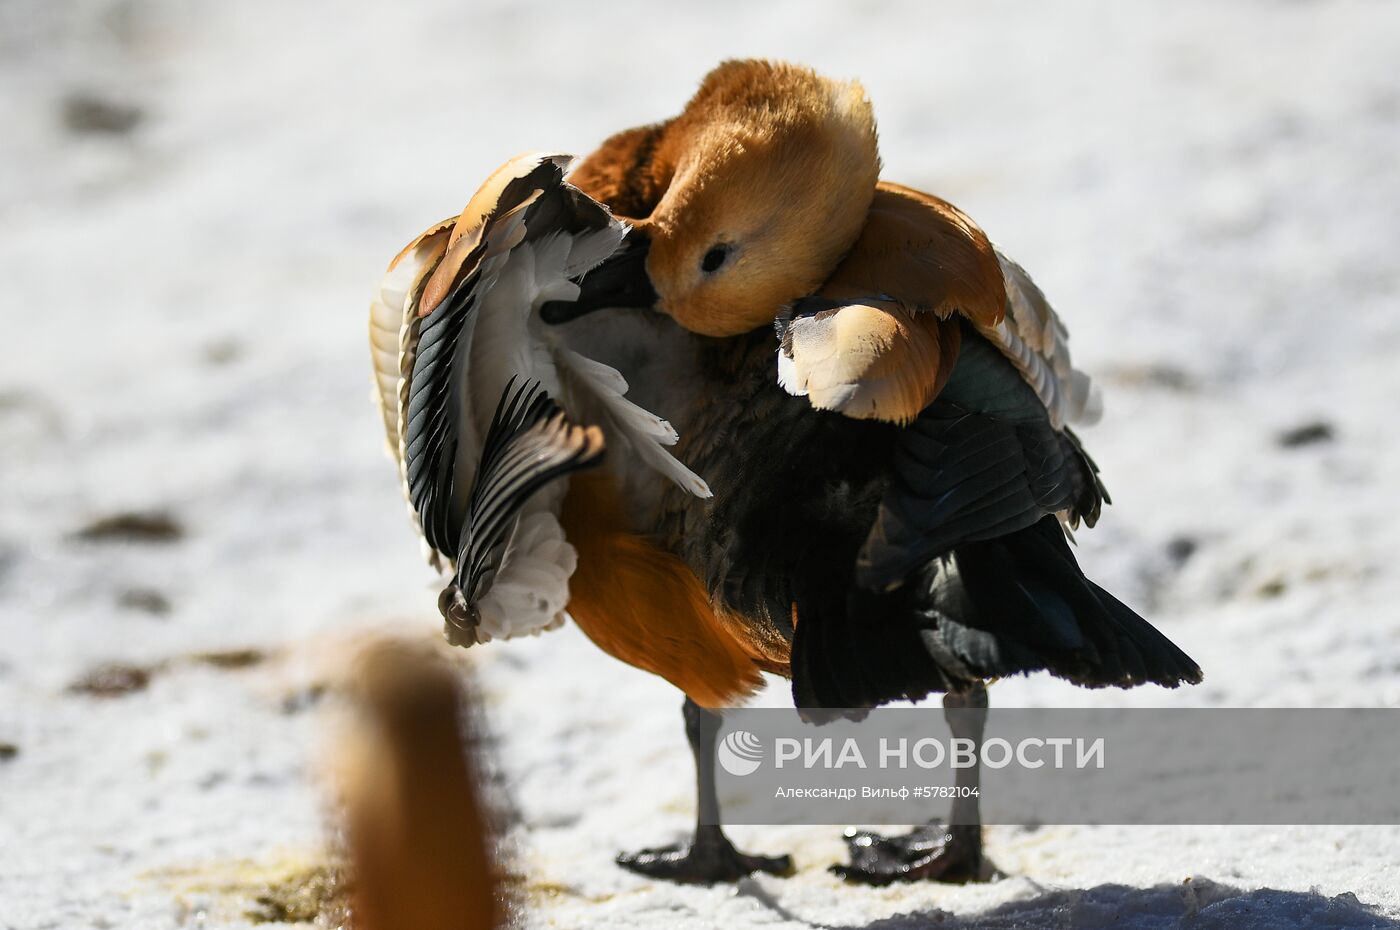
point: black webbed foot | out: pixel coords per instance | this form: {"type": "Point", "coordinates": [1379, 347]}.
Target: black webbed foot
{"type": "Point", "coordinates": [707, 859]}
{"type": "Point", "coordinates": [927, 853]}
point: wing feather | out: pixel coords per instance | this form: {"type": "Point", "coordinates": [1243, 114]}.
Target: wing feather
{"type": "Point", "coordinates": [879, 353]}
{"type": "Point", "coordinates": [390, 310]}
{"type": "Point", "coordinates": [927, 325]}
{"type": "Point", "coordinates": [469, 380]}
{"type": "Point", "coordinates": [597, 390]}
{"type": "Point", "coordinates": [983, 460]}
{"type": "Point", "coordinates": [530, 442]}
{"type": "Point", "coordinates": [1034, 338]}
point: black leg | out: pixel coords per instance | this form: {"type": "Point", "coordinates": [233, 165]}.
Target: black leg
{"type": "Point", "coordinates": [709, 857]}
{"type": "Point", "coordinates": [934, 851]}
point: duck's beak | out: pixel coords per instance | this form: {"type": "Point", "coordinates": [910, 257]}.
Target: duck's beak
{"type": "Point", "coordinates": [620, 281]}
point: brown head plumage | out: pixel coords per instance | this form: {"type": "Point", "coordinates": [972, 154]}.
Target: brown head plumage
{"type": "Point", "coordinates": [751, 196]}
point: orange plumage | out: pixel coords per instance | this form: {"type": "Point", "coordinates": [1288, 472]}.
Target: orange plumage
{"type": "Point", "coordinates": [644, 605]}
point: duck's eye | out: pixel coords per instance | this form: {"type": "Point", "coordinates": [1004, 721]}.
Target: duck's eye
{"type": "Point", "coordinates": [714, 258]}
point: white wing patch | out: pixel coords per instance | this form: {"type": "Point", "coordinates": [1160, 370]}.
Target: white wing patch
{"type": "Point", "coordinates": [832, 372]}
{"type": "Point", "coordinates": [874, 359]}
{"type": "Point", "coordinates": [866, 360]}
{"type": "Point", "coordinates": [502, 338]}
{"type": "Point", "coordinates": [597, 391]}
{"type": "Point", "coordinates": [530, 590]}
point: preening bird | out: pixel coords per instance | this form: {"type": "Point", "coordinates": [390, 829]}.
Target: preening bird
{"type": "Point", "coordinates": [871, 469]}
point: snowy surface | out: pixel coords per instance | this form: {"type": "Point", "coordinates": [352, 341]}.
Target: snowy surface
{"type": "Point", "coordinates": [1207, 191]}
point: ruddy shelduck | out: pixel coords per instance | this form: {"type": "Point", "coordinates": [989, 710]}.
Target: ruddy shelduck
{"type": "Point", "coordinates": [871, 474]}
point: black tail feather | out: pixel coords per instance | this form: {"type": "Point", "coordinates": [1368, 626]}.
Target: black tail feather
{"type": "Point", "coordinates": [1027, 590]}
{"type": "Point", "coordinates": [1011, 605]}
{"type": "Point", "coordinates": [861, 652]}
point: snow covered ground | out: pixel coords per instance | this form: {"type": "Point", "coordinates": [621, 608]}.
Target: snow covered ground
{"type": "Point", "coordinates": [197, 197]}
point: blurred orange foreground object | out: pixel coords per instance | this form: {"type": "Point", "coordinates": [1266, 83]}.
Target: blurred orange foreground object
{"type": "Point", "coordinates": [417, 834]}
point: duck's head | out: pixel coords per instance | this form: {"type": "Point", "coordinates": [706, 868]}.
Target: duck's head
{"type": "Point", "coordinates": [762, 184]}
